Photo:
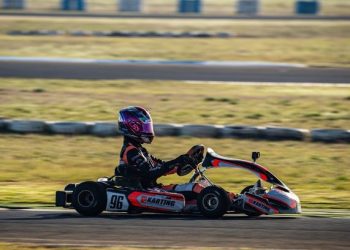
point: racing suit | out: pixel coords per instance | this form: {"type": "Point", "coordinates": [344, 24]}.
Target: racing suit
{"type": "Point", "coordinates": [136, 163]}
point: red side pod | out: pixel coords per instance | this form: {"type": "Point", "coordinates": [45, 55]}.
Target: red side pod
{"type": "Point", "coordinates": [162, 201]}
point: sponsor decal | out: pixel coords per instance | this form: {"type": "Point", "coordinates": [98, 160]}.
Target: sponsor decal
{"type": "Point", "coordinates": [258, 204]}
{"type": "Point", "coordinates": [149, 200]}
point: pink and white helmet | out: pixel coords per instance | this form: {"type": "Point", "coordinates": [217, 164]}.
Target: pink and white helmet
{"type": "Point", "coordinates": [136, 122]}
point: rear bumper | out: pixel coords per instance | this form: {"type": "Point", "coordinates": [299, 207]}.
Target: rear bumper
{"type": "Point", "coordinates": [64, 199]}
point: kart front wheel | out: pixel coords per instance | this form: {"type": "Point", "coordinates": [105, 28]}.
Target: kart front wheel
{"type": "Point", "coordinates": [213, 202]}
{"type": "Point", "coordinates": [89, 198]}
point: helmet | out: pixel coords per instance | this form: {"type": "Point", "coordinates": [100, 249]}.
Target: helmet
{"type": "Point", "coordinates": [136, 123]}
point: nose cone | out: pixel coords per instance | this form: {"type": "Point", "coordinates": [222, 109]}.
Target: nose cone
{"type": "Point", "coordinates": [285, 202]}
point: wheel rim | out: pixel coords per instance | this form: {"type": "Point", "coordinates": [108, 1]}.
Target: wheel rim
{"type": "Point", "coordinates": [210, 202]}
{"type": "Point", "coordinates": [86, 198]}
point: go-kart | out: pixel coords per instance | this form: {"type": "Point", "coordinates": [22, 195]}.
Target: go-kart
{"type": "Point", "coordinates": [116, 194]}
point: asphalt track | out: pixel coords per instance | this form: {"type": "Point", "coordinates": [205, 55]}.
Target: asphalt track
{"type": "Point", "coordinates": [47, 227]}
{"type": "Point", "coordinates": [108, 71]}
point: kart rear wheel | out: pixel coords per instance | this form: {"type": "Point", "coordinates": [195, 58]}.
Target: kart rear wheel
{"type": "Point", "coordinates": [89, 198]}
{"type": "Point", "coordinates": [213, 202]}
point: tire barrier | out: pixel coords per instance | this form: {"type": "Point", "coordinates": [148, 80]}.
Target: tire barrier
{"type": "Point", "coordinates": [248, 132]}
{"type": "Point", "coordinates": [110, 129]}
{"type": "Point", "coordinates": [330, 135]}
{"type": "Point", "coordinates": [104, 129]}
{"type": "Point", "coordinates": [26, 126]}
{"type": "Point", "coordinates": [121, 34]}
{"type": "Point", "coordinates": [278, 133]}
{"type": "Point", "coordinates": [3, 124]}
{"type": "Point", "coordinates": [167, 129]}
{"type": "Point", "coordinates": [68, 128]}
{"type": "Point", "coordinates": [201, 131]}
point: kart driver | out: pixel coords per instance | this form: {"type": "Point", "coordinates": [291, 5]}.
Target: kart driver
{"type": "Point", "coordinates": [136, 125]}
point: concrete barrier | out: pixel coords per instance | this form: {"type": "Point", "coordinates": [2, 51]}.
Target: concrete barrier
{"type": "Point", "coordinates": [240, 131]}
{"type": "Point", "coordinates": [13, 4]}
{"type": "Point", "coordinates": [104, 129]}
{"type": "Point", "coordinates": [189, 6]}
{"type": "Point", "coordinates": [76, 5]}
{"type": "Point", "coordinates": [167, 129]}
{"type": "Point", "coordinates": [201, 131]}
{"type": "Point", "coordinates": [26, 126]}
{"type": "Point", "coordinates": [130, 5]}
{"type": "Point", "coordinates": [248, 7]}
{"type": "Point", "coordinates": [307, 7]}
{"type": "Point", "coordinates": [68, 128]}
{"type": "Point", "coordinates": [330, 135]}
{"type": "Point", "coordinates": [279, 133]}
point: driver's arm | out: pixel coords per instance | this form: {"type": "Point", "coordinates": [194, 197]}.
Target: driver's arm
{"type": "Point", "coordinates": [155, 168]}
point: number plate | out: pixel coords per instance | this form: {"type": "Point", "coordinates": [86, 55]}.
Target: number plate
{"type": "Point", "coordinates": [116, 202]}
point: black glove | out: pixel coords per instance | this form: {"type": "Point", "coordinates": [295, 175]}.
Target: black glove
{"type": "Point", "coordinates": [186, 165]}
{"type": "Point", "coordinates": [197, 153]}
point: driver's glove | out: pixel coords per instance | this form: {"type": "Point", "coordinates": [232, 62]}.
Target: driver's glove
{"type": "Point", "coordinates": [187, 160]}
{"type": "Point", "coordinates": [196, 153]}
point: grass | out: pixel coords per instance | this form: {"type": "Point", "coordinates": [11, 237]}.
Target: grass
{"type": "Point", "coordinates": [316, 43]}
{"type": "Point", "coordinates": [223, 7]}
{"type": "Point", "coordinates": [33, 167]}
{"type": "Point", "coordinates": [243, 28]}
{"type": "Point", "coordinates": [288, 106]}
{"type": "Point", "coordinates": [314, 52]}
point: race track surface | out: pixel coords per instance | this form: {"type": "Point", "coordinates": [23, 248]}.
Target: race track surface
{"type": "Point", "coordinates": [64, 70]}
{"type": "Point", "coordinates": [67, 227]}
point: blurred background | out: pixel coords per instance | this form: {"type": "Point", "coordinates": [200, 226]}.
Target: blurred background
{"type": "Point", "coordinates": [313, 33]}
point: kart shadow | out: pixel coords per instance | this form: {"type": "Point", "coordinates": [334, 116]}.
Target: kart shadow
{"type": "Point", "coordinates": [144, 216]}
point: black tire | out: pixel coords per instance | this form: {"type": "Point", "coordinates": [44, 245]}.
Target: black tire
{"type": "Point", "coordinates": [70, 187]}
{"type": "Point", "coordinates": [89, 198]}
{"type": "Point", "coordinates": [213, 202]}
{"type": "Point", "coordinates": [253, 212]}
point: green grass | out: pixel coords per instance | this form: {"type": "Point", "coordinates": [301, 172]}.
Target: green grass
{"type": "Point", "coordinates": [289, 106]}
{"type": "Point", "coordinates": [314, 52]}
{"type": "Point", "coordinates": [223, 7]}
{"type": "Point", "coordinates": [33, 167]}
{"type": "Point", "coordinates": [316, 43]}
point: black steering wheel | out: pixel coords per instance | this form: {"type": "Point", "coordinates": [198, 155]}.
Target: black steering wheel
{"type": "Point", "coordinates": [196, 154]}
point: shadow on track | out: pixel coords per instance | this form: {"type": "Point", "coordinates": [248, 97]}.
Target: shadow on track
{"type": "Point", "coordinates": [145, 216]}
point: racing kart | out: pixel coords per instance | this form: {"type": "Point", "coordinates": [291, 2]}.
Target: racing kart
{"type": "Point", "coordinates": [116, 194]}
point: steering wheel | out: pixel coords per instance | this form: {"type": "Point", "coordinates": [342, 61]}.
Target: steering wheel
{"type": "Point", "coordinates": [196, 153]}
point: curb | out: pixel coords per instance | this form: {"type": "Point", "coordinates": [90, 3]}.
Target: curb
{"type": "Point", "coordinates": [110, 129]}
